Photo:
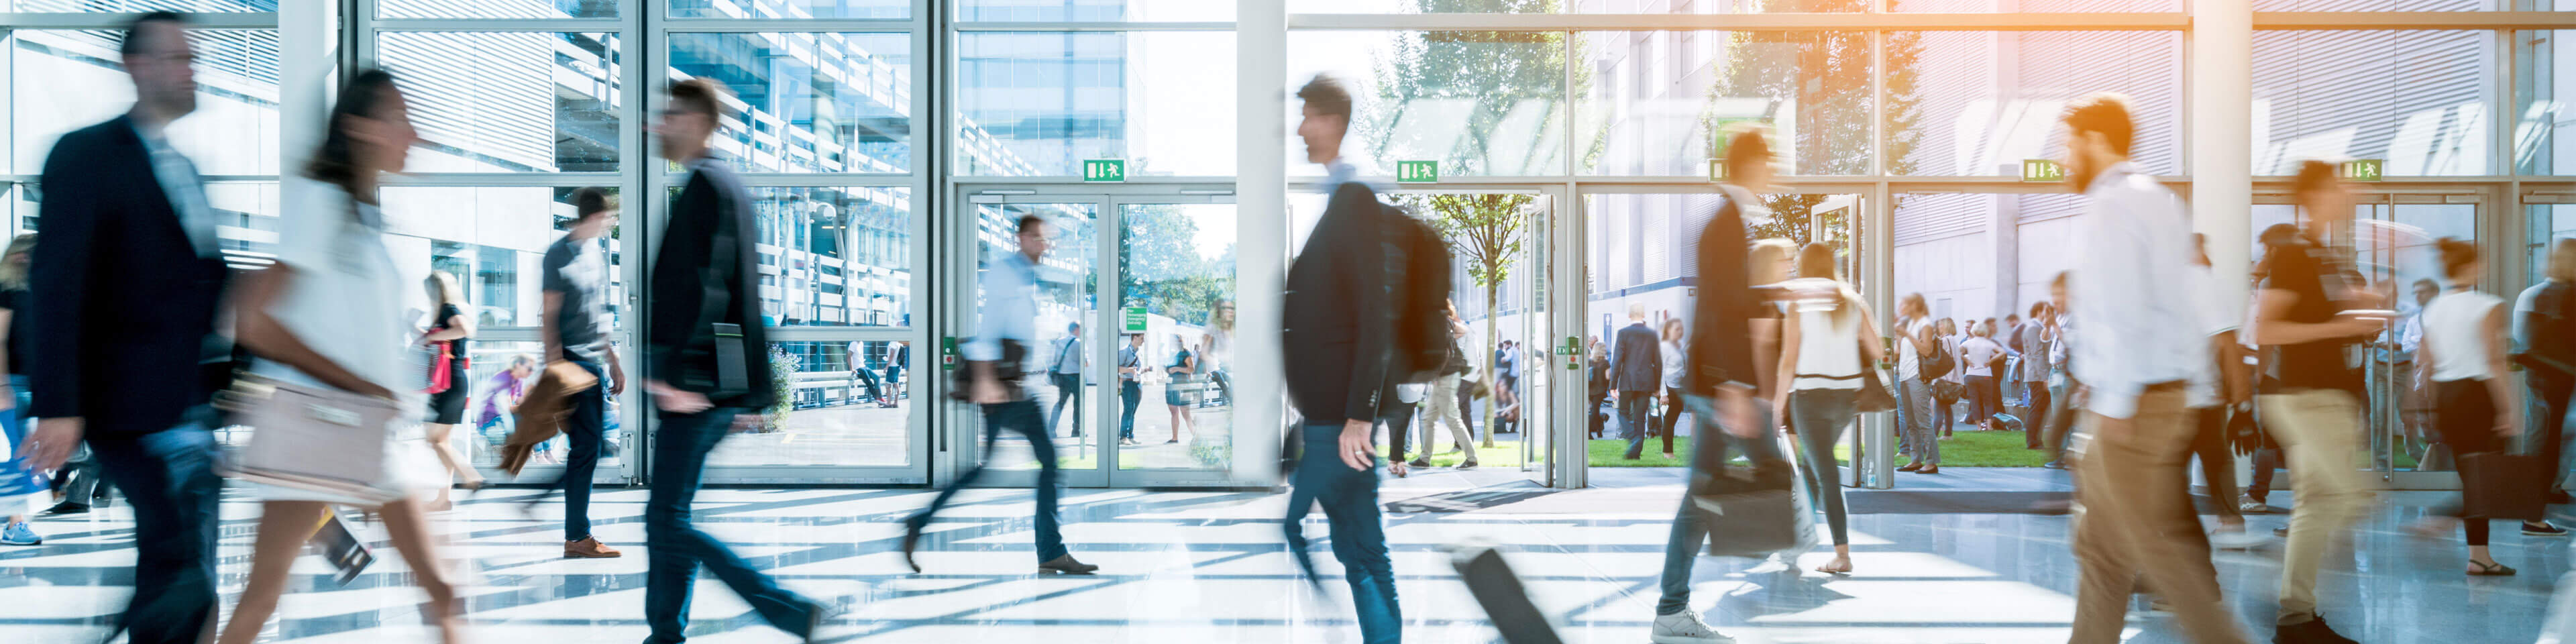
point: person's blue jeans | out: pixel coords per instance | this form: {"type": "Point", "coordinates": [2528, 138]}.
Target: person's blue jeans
{"type": "Point", "coordinates": [1632, 420]}
{"type": "Point", "coordinates": [1708, 458]}
{"type": "Point", "coordinates": [168, 477]}
{"type": "Point", "coordinates": [1020, 417]}
{"type": "Point", "coordinates": [1129, 394]}
{"type": "Point", "coordinates": [674, 548]}
{"type": "Point", "coordinates": [584, 429]}
{"type": "Point", "coordinates": [1349, 498]}
{"type": "Point", "coordinates": [1819, 416]}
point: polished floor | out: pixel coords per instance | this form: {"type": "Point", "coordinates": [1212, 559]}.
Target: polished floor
{"type": "Point", "coordinates": [1209, 567]}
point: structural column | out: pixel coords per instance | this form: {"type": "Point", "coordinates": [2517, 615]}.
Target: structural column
{"type": "Point", "coordinates": [2222, 155]}
{"type": "Point", "coordinates": [1261, 211]}
{"type": "Point", "coordinates": [308, 59]}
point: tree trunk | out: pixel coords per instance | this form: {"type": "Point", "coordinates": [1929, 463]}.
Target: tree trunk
{"type": "Point", "coordinates": [1492, 313]}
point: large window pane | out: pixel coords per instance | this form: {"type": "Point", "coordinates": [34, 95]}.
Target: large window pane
{"type": "Point", "coordinates": [1577, 6]}
{"type": "Point", "coordinates": [496, 8]}
{"type": "Point", "coordinates": [1479, 103]}
{"type": "Point", "coordinates": [2036, 6]}
{"type": "Point", "coordinates": [1068, 293]}
{"type": "Point", "coordinates": [811, 102]}
{"type": "Point", "coordinates": [1178, 266]}
{"type": "Point", "coordinates": [1967, 103]}
{"type": "Point", "coordinates": [1039, 104]}
{"type": "Point", "coordinates": [140, 6]}
{"type": "Point", "coordinates": [2548, 223]}
{"type": "Point", "coordinates": [1653, 98]}
{"type": "Point", "coordinates": [2415, 98]}
{"type": "Point", "coordinates": [509, 102]}
{"type": "Point", "coordinates": [2375, 5]}
{"type": "Point", "coordinates": [66, 80]}
{"type": "Point", "coordinates": [835, 256]}
{"type": "Point", "coordinates": [1098, 10]}
{"type": "Point", "coordinates": [847, 9]}
{"type": "Point", "coordinates": [494, 241]}
{"type": "Point", "coordinates": [2544, 65]}
{"type": "Point", "coordinates": [845, 408]}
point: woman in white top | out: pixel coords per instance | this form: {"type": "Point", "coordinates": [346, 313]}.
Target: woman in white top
{"type": "Point", "coordinates": [330, 314]}
{"type": "Point", "coordinates": [1916, 437]}
{"type": "Point", "coordinates": [1977, 355]}
{"type": "Point", "coordinates": [1826, 342]}
{"type": "Point", "coordinates": [1675, 367]}
{"type": "Point", "coordinates": [2464, 344]}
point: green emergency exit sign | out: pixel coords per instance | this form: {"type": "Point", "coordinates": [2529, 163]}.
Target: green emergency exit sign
{"type": "Point", "coordinates": [2364, 169]}
{"type": "Point", "coordinates": [1104, 170]}
{"type": "Point", "coordinates": [1417, 171]}
{"type": "Point", "coordinates": [1135, 318]}
{"type": "Point", "coordinates": [2042, 170]}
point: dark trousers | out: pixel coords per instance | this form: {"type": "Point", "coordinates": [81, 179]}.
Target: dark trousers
{"type": "Point", "coordinates": [1349, 498]}
{"type": "Point", "coordinates": [868, 379]}
{"type": "Point", "coordinates": [1944, 414]}
{"type": "Point", "coordinates": [1129, 393]}
{"type": "Point", "coordinates": [583, 429]}
{"type": "Point", "coordinates": [168, 477]}
{"type": "Point", "coordinates": [1399, 428]}
{"type": "Point", "coordinates": [1068, 389]}
{"type": "Point", "coordinates": [1672, 415]}
{"type": "Point", "coordinates": [1466, 411]}
{"type": "Point", "coordinates": [1632, 420]}
{"type": "Point", "coordinates": [2546, 438]}
{"type": "Point", "coordinates": [675, 548]}
{"type": "Point", "coordinates": [2061, 422]}
{"type": "Point", "coordinates": [2035, 428]}
{"type": "Point", "coordinates": [2217, 462]}
{"type": "Point", "coordinates": [2266, 462]}
{"type": "Point", "coordinates": [1690, 524]}
{"type": "Point", "coordinates": [1600, 419]}
{"type": "Point", "coordinates": [1984, 400]}
{"type": "Point", "coordinates": [1020, 417]}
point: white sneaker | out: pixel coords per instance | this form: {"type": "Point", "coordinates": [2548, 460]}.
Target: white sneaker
{"type": "Point", "coordinates": [2247, 505]}
{"type": "Point", "coordinates": [2237, 539]}
{"type": "Point", "coordinates": [1685, 628]}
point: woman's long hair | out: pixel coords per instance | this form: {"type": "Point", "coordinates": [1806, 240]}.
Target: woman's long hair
{"type": "Point", "coordinates": [1817, 260]}
{"type": "Point", "coordinates": [1762, 263]}
{"type": "Point", "coordinates": [13, 272]}
{"type": "Point", "coordinates": [336, 161]}
{"type": "Point", "coordinates": [444, 286]}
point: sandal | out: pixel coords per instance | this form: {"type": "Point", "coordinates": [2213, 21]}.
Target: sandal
{"type": "Point", "coordinates": [2490, 569]}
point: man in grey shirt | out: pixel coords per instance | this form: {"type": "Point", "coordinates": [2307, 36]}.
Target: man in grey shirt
{"type": "Point", "coordinates": [575, 329]}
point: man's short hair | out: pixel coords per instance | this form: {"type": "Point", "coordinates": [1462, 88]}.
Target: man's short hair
{"type": "Point", "coordinates": [133, 41]}
{"type": "Point", "coordinates": [2314, 174]}
{"type": "Point", "coordinates": [591, 201]}
{"type": "Point", "coordinates": [1327, 96]}
{"type": "Point", "coordinates": [1029, 220]}
{"type": "Point", "coordinates": [1745, 143]}
{"type": "Point", "coordinates": [2107, 113]}
{"type": "Point", "coordinates": [700, 95]}
{"type": "Point", "coordinates": [2059, 280]}
{"type": "Point", "coordinates": [2278, 234]}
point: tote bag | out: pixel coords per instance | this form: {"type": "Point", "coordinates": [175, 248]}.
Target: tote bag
{"type": "Point", "coordinates": [320, 440]}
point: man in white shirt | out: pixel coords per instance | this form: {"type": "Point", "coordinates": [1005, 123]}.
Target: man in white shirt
{"type": "Point", "coordinates": [2132, 286]}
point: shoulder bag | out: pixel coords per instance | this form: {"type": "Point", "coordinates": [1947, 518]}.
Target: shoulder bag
{"type": "Point", "coordinates": [316, 439]}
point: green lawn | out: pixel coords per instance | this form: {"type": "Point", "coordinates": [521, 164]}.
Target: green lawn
{"type": "Point", "coordinates": [1965, 449]}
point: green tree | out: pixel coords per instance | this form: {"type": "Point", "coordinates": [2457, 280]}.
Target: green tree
{"type": "Point", "coordinates": [1485, 232]}
{"type": "Point", "coordinates": [1164, 270]}
{"type": "Point", "coordinates": [1828, 76]}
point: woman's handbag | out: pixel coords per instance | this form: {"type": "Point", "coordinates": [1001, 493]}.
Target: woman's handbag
{"type": "Point", "coordinates": [316, 439]}
{"type": "Point", "coordinates": [441, 368]}
{"type": "Point", "coordinates": [1873, 396]}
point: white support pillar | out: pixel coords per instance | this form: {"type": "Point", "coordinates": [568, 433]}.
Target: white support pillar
{"type": "Point", "coordinates": [2222, 148]}
{"type": "Point", "coordinates": [2222, 156]}
{"type": "Point", "coordinates": [308, 61]}
{"type": "Point", "coordinates": [1261, 212]}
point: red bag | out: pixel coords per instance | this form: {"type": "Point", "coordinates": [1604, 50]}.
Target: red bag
{"type": "Point", "coordinates": [439, 369]}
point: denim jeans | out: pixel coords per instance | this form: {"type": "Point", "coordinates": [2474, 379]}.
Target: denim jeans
{"type": "Point", "coordinates": [168, 477]}
{"type": "Point", "coordinates": [1021, 417]}
{"type": "Point", "coordinates": [1632, 420]}
{"type": "Point", "coordinates": [674, 548]}
{"type": "Point", "coordinates": [1820, 416]}
{"type": "Point", "coordinates": [1129, 393]}
{"type": "Point", "coordinates": [1349, 498]}
{"type": "Point", "coordinates": [583, 428]}
{"type": "Point", "coordinates": [1708, 458]}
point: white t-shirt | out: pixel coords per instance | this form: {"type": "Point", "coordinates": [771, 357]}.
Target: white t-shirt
{"type": "Point", "coordinates": [1908, 365]}
{"type": "Point", "coordinates": [2455, 330]}
{"type": "Point", "coordinates": [347, 304]}
{"type": "Point", "coordinates": [1977, 355]}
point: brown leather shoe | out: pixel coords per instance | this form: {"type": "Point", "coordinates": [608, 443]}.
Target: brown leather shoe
{"type": "Point", "coordinates": [589, 548]}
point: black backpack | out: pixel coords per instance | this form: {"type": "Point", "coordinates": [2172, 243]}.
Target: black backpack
{"type": "Point", "coordinates": [1422, 341]}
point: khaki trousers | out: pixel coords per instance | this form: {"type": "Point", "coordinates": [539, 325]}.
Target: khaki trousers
{"type": "Point", "coordinates": [2320, 435]}
{"type": "Point", "coordinates": [2134, 518]}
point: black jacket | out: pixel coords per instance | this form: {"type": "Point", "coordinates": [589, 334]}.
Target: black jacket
{"type": "Point", "coordinates": [1640, 359]}
{"type": "Point", "coordinates": [1721, 340]}
{"type": "Point", "coordinates": [1338, 329]}
{"type": "Point", "coordinates": [680, 340]}
{"type": "Point", "coordinates": [128, 307]}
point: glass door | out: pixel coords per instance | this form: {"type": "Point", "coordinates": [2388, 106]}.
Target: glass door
{"type": "Point", "coordinates": [1075, 376]}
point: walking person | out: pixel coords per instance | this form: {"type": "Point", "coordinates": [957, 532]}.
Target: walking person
{"type": "Point", "coordinates": [575, 328]}
{"type": "Point", "coordinates": [1341, 340]}
{"type": "Point", "coordinates": [1446, 399]}
{"type": "Point", "coordinates": [1131, 389]}
{"type": "Point", "coordinates": [1179, 375]}
{"type": "Point", "coordinates": [1639, 375]}
{"type": "Point", "coordinates": [2063, 388]}
{"type": "Point", "coordinates": [1675, 368]}
{"type": "Point", "coordinates": [125, 355]}
{"type": "Point", "coordinates": [1917, 353]}
{"type": "Point", "coordinates": [328, 314]}
{"type": "Point", "coordinates": [2132, 282]}
{"type": "Point", "coordinates": [2032, 373]}
{"type": "Point", "coordinates": [1507, 383]}
{"type": "Point", "coordinates": [1826, 343]}
{"type": "Point", "coordinates": [1721, 389]}
{"type": "Point", "coordinates": [996, 356]}
{"type": "Point", "coordinates": [2544, 328]}
{"type": "Point", "coordinates": [894, 367]}
{"type": "Point", "coordinates": [2315, 411]}
{"type": "Point", "coordinates": [2464, 354]}
{"type": "Point", "coordinates": [2221, 391]}
{"type": "Point", "coordinates": [447, 406]}
{"type": "Point", "coordinates": [14, 311]}
{"type": "Point", "coordinates": [1065, 374]}
{"type": "Point", "coordinates": [1978, 355]}
{"type": "Point", "coordinates": [703, 347]}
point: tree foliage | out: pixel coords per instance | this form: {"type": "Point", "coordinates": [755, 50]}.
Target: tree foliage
{"type": "Point", "coordinates": [1164, 270]}
{"type": "Point", "coordinates": [1827, 75]}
